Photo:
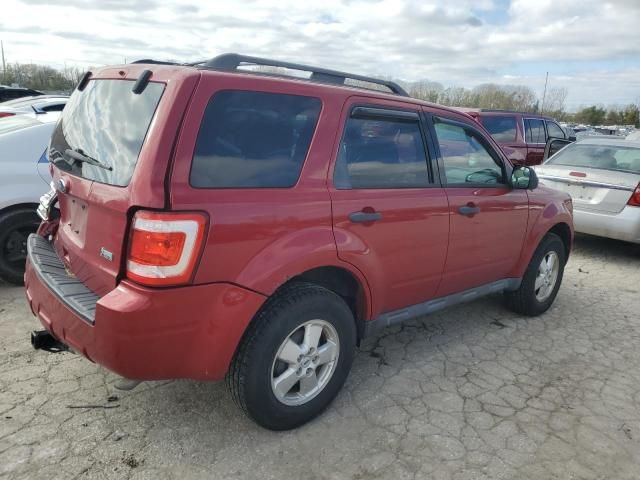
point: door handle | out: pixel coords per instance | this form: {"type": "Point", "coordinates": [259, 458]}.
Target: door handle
{"type": "Point", "coordinates": [469, 210]}
{"type": "Point", "coordinates": [364, 217]}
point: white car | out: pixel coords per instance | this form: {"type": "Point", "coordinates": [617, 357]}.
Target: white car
{"type": "Point", "coordinates": [602, 175]}
{"type": "Point", "coordinates": [25, 177]}
{"type": "Point", "coordinates": [40, 105]}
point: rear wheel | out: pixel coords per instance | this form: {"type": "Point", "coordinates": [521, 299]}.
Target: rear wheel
{"type": "Point", "coordinates": [542, 279]}
{"type": "Point", "coordinates": [15, 228]}
{"type": "Point", "coordinates": [294, 358]}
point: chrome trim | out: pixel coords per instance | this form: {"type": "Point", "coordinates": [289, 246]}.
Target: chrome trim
{"type": "Point", "coordinates": [586, 183]}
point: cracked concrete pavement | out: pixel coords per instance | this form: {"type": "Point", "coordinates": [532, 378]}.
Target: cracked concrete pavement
{"type": "Point", "coordinates": [474, 392]}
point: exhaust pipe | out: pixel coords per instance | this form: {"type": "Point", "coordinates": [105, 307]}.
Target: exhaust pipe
{"type": "Point", "coordinates": [43, 340]}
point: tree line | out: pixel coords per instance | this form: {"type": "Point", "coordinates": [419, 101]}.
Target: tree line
{"type": "Point", "coordinates": [489, 95]}
{"type": "Point", "coordinates": [41, 77]}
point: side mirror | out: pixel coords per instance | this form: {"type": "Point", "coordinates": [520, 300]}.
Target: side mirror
{"type": "Point", "coordinates": [524, 178]}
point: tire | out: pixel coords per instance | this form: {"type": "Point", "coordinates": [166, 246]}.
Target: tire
{"type": "Point", "coordinates": [15, 227]}
{"type": "Point", "coordinates": [291, 314]}
{"type": "Point", "coordinates": [529, 299]}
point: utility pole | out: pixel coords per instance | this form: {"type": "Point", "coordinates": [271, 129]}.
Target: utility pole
{"type": "Point", "coordinates": [4, 66]}
{"type": "Point", "coordinates": [545, 92]}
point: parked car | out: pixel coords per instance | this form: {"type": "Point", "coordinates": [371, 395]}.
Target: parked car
{"type": "Point", "coordinates": [522, 136]}
{"type": "Point", "coordinates": [226, 223]}
{"type": "Point", "coordinates": [33, 106]}
{"type": "Point", "coordinates": [634, 136]}
{"type": "Point", "coordinates": [25, 177]}
{"type": "Point", "coordinates": [11, 93]}
{"type": "Point", "coordinates": [602, 175]}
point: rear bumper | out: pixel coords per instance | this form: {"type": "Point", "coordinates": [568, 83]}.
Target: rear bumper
{"type": "Point", "coordinates": [620, 226]}
{"type": "Point", "coordinates": [151, 334]}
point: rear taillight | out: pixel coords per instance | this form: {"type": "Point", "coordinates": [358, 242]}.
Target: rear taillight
{"type": "Point", "coordinates": [634, 201]}
{"type": "Point", "coordinates": [164, 247]}
{"type": "Point", "coordinates": [6, 114]}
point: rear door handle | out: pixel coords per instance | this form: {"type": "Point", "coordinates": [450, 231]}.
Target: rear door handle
{"type": "Point", "coordinates": [364, 217]}
{"type": "Point", "coordinates": [469, 210]}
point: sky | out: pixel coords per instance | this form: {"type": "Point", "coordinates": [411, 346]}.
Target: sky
{"type": "Point", "coordinates": [591, 47]}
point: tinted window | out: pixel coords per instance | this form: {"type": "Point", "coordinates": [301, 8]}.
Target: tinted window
{"type": "Point", "coordinates": [107, 122]}
{"type": "Point", "coordinates": [534, 130]}
{"type": "Point", "coordinates": [466, 159]}
{"type": "Point", "coordinates": [502, 129]}
{"type": "Point", "coordinates": [253, 139]}
{"type": "Point", "coordinates": [554, 130]}
{"type": "Point", "coordinates": [606, 157]}
{"type": "Point", "coordinates": [381, 153]}
{"type": "Point", "coordinates": [53, 108]}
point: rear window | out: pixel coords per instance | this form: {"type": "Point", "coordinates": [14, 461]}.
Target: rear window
{"type": "Point", "coordinates": [108, 123]}
{"type": "Point", "coordinates": [606, 157]}
{"type": "Point", "coordinates": [253, 140]}
{"type": "Point", "coordinates": [502, 129]}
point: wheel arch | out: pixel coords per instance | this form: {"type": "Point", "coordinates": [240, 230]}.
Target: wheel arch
{"type": "Point", "coordinates": [345, 283]}
{"type": "Point", "coordinates": [18, 206]}
{"type": "Point", "coordinates": [564, 232]}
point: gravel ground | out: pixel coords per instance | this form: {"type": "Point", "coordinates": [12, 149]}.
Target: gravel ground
{"type": "Point", "coordinates": [471, 393]}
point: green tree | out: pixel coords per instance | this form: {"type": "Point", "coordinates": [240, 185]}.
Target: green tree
{"type": "Point", "coordinates": [592, 115]}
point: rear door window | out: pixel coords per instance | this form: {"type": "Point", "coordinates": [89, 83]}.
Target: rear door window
{"type": "Point", "coordinates": [253, 140]}
{"type": "Point", "coordinates": [501, 128]}
{"type": "Point", "coordinates": [534, 130]}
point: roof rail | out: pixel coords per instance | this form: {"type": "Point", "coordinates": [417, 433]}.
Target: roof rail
{"type": "Point", "coordinates": [231, 62]}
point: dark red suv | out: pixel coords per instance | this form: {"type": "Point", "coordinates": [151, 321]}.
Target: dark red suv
{"type": "Point", "coordinates": [205, 221]}
{"type": "Point", "coordinates": [522, 136]}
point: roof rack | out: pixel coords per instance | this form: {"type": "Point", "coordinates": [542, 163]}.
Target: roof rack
{"type": "Point", "coordinates": [231, 62]}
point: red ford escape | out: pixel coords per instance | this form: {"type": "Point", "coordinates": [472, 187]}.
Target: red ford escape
{"type": "Point", "coordinates": [208, 221]}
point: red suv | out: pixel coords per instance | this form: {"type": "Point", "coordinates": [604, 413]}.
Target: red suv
{"type": "Point", "coordinates": [522, 136]}
{"type": "Point", "coordinates": [205, 221]}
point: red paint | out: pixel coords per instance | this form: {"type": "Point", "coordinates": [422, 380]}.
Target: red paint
{"type": "Point", "coordinates": [257, 239]}
{"type": "Point", "coordinates": [578, 174]}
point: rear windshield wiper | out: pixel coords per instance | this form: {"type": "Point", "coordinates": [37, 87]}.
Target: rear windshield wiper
{"type": "Point", "coordinates": [80, 156]}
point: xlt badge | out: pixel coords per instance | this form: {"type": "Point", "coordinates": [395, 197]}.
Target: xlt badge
{"type": "Point", "coordinates": [104, 253]}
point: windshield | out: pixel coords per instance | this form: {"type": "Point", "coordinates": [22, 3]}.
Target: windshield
{"type": "Point", "coordinates": [605, 157]}
{"type": "Point", "coordinates": [107, 122]}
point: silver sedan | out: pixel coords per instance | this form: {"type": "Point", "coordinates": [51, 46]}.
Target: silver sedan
{"type": "Point", "coordinates": [602, 175]}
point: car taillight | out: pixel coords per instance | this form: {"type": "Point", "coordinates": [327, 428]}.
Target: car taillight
{"type": "Point", "coordinates": [6, 114]}
{"type": "Point", "coordinates": [164, 247]}
{"type": "Point", "coordinates": [634, 201]}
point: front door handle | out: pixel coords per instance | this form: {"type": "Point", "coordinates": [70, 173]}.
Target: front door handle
{"type": "Point", "coordinates": [469, 210]}
{"type": "Point", "coordinates": [364, 217]}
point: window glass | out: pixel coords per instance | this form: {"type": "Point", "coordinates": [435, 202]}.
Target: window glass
{"type": "Point", "coordinates": [554, 130]}
{"type": "Point", "coordinates": [465, 158]}
{"type": "Point", "coordinates": [502, 129]}
{"type": "Point", "coordinates": [253, 140]}
{"type": "Point", "coordinates": [534, 129]}
{"type": "Point", "coordinates": [106, 122]}
{"type": "Point", "coordinates": [381, 153]}
{"type": "Point", "coordinates": [606, 157]}
{"type": "Point", "coordinates": [53, 108]}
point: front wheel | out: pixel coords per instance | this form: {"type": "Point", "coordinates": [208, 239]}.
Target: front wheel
{"type": "Point", "coordinates": [542, 279]}
{"type": "Point", "coordinates": [294, 358]}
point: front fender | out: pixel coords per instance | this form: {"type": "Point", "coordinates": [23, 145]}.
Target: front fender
{"type": "Point", "coordinates": [546, 210]}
